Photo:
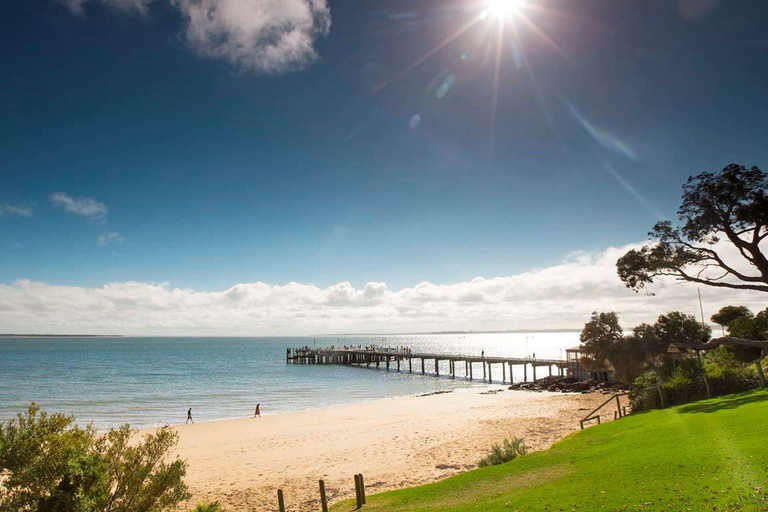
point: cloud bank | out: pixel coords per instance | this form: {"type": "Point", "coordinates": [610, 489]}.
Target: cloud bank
{"type": "Point", "coordinates": [271, 36]}
{"type": "Point", "coordinates": [561, 296]}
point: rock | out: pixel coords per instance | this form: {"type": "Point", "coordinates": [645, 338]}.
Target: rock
{"type": "Point", "coordinates": [564, 385]}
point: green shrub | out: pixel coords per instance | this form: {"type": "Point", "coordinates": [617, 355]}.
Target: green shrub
{"type": "Point", "coordinates": [51, 464]}
{"type": "Point", "coordinates": [724, 372]}
{"type": "Point", "coordinates": [721, 362]}
{"type": "Point", "coordinates": [510, 450]}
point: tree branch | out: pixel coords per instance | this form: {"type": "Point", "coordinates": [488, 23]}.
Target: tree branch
{"type": "Point", "coordinates": [681, 275]}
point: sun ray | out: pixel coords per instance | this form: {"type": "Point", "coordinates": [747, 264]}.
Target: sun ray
{"type": "Point", "coordinates": [496, 81]}
{"type": "Point", "coordinates": [427, 55]}
{"type": "Point", "coordinates": [543, 35]}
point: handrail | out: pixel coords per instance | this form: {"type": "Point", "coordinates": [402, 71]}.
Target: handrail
{"type": "Point", "coordinates": [591, 415]}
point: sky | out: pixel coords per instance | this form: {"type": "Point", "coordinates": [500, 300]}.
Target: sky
{"type": "Point", "coordinates": [262, 167]}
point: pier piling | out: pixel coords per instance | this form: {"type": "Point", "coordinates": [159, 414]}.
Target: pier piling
{"type": "Point", "coordinates": [376, 355]}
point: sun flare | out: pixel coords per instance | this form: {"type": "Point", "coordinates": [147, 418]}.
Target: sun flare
{"type": "Point", "coordinates": [502, 8]}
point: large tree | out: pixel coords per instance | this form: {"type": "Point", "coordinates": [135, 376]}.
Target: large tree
{"type": "Point", "coordinates": [728, 314]}
{"type": "Point", "coordinates": [599, 339]}
{"type": "Point", "coordinates": [677, 327]}
{"type": "Point", "coordinates": [750, 327]}
{"type": "Point", "coordinates": [732, 204]}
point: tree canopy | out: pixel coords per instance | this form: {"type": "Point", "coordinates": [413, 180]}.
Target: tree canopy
{"type": "Point", "coordinates": [732, 204]}
{"type": "Point", "coordinates": [599, 339]}
{"type": "Point", "coordinates": [604, 346]}
{"type": "Point", "coordinates": [728, 314]}
{"type": "Point", "coordinates": [750, 327]}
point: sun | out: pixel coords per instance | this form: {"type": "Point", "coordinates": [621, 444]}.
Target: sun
{"type": "Point", "coordinates": [502, 8]}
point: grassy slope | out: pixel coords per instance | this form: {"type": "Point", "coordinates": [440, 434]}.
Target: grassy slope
{"type": "Point", "coordinates": [711, 455]}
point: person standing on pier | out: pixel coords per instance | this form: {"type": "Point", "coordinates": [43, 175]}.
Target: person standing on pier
{"type": "Point", "coordinates": [189, 416]}
{"type": "Point", "coordinates": [482, 354]}
{"type": "Point", "coordinates": [257, 412]}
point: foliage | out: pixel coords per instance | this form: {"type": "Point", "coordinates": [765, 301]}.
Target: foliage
{"type": "Point", "coordinates": [629, 358]}
{"type": "Point", "coordinates": [501, 454]}
{"type": "Point", "coordinates": [725, 374]}
{"type": "Point", "coordinates": [705, 456]}
{"type": "Point", "coordinates": [51, 464]}
{"type": "Point", "coordinates": [599, 339]}
{"type": "Point", "coordinates": [732, 203]}
{"type": "Point", "coordinates": [728, 314]}
{"type": "Point", "coordinates": [604, 346]}
{"type": "Point", "coordinates": [677, 327]}
{"type": "Point", "coordinates": [721, 363]}
{"type": "Point", "coordinates": [753, 328]}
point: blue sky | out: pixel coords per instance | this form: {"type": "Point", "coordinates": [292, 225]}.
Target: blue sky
{"type": "Point", "coordinates": [217, 162]}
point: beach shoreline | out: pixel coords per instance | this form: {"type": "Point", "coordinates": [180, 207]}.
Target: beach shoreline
{"type": "Point", "coordinates": [395, 442]}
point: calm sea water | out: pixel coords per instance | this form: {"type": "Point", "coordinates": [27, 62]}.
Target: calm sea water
{"type": "Point", "coordinates": [152, 381]}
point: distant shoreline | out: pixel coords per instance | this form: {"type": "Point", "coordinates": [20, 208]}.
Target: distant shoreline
{"type": "Point", "coordinates": [61, 335]}
{"type": "Point", "coordinates": [513, 331]}
{"type": "Point", "coordinates": [367, 334]}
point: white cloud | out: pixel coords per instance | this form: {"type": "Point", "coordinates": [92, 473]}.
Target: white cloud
{"type": "Point", "coordinates": [261, 35]}
{"type": "Point", "coordinates": [135, 6]}
{"type": "Point", "coordinates": [271, 36]}
{"type": "Point", "coordinates": [18, 210]}
{"type": "Point", "coordinates": [111, 238]}
{"type": "Point", "coordinates": [80, 206]}
{"type": "Point", "coordinates": [560, 296]}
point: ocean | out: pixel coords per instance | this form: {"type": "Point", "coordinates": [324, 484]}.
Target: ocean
{"type": "Point", "coordinates": [152, 381]}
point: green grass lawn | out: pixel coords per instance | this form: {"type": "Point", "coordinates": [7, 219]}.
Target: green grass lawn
{"type": "Point", "coordinates": [705, 456]}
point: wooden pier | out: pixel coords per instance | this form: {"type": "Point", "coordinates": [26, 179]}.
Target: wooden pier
{"type": "Point", "coordinates": [406, 360]}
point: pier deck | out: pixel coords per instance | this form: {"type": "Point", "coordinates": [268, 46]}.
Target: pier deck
{"type": "Point", "coordinates": [406, 360]}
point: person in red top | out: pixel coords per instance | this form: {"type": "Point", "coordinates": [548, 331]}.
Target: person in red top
{"type": "Point", "coordinates": [257, 412]}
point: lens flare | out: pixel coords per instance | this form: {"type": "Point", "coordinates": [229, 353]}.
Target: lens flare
{"type": "Point", "coordinates": [503, 8]}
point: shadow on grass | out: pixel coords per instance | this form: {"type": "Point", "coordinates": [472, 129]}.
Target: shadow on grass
{"type": "Point", "coordinates": [730, 402]}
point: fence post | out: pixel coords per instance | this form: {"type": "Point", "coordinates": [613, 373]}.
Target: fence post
{"type": "Point", "coordinates": [280, 501]}
{"type": "Point", "coordinates": [323, 499]}
{"type": "Point", "coordinates": [661, 395]}
{"type": "Point", "coordinates": [362, 488]}
{"type": "Point", "coordinates": [358, 501]}
{"type": "Point", "coordinates": [704, 374]}
{"type": "Point", "coordinates": [618, 406]}
{"type": "Point", "coordinates": [760, 373]}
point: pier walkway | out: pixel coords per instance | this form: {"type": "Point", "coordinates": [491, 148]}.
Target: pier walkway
{"type": "Point", "coordinates": [404, 359]}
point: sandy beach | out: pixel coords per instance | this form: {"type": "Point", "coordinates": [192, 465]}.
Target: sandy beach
{"type": "Point", "coordinates": [395, 443]}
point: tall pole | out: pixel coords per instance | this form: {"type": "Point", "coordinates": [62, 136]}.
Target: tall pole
{"type": "Point", "coordinates": [701, 307]}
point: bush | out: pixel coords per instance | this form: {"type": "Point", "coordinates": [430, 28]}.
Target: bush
{"type": "Point", "coordinates": [725, 374]}
{"type": "Point", "coordinates": [501, 454]}
{"type": "Point", "coordinates": [51, 464]}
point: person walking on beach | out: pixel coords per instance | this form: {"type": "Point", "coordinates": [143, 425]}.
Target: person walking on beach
{"type": "Point", "coordinates": [257, 412]}
{"type": "Point", "coordinates": [482, 354]}
{"type": "Point", "coordinates": [189, 416]}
